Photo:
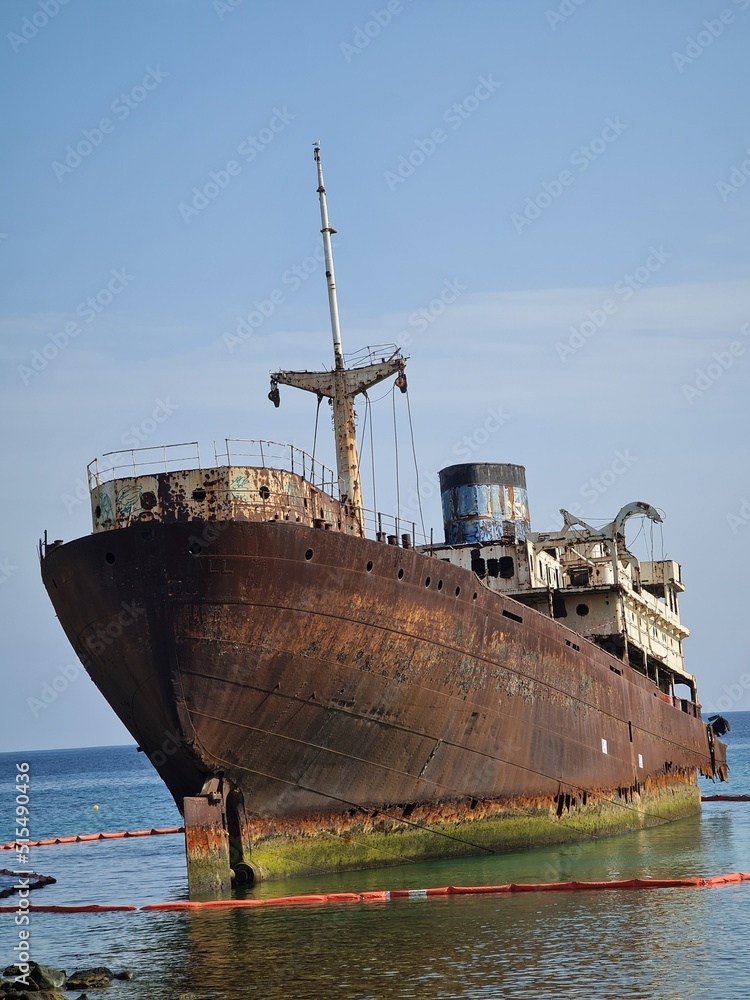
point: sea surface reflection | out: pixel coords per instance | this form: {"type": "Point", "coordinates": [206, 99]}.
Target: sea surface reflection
{"type": "Point", "coordinates": [666, 944]}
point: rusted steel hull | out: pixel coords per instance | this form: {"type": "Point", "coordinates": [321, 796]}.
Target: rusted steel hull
{"type": "Point", "coordinates": [367, 703]}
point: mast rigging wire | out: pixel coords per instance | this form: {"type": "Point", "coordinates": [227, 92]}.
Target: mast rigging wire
{"type": "Point", "coordinates": [416, 465]}
{"type": "Point", "coordinates": [368, 416]}
{"type": "Point", "coordinates": [395, 441]}
{"type": "Point", "coordinates": [315, 434]}
{"type": "Point", "coordinates": [372, 459]}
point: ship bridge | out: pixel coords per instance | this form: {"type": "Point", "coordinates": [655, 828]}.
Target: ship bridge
{"type": "Point", "coordinates": [583, 576]}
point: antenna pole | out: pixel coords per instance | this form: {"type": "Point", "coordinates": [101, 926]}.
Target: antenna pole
{"type": "Point", "coordinates": [326, 230]}
{"type": "Point", "coordinates": [341, 385]}
{"type": "Point", "coordinates": [347, 459]}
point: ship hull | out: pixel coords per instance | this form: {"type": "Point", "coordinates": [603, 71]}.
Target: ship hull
{"type": "Point", "coordinates": [369, 704]}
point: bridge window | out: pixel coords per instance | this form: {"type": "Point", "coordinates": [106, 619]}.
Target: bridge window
{"type": "Point", "coordinates": [478, 565]}
{"type": "Point", "coordinates": [507, 567]}
{"type": "Point", "coordinates": [558, 606]}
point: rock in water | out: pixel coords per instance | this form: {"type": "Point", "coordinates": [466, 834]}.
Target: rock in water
{"type": "Point", "coordinates": [89, 978]}
{"type": "Point", "coordinates": [47, 978]}
{"type": "Point", "coordinates": [38, 995]}
{"type": "Point", "coordinates": [43, 976]}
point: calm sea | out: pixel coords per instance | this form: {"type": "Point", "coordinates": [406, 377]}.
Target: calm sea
{"type": "Point", "coordinates": [676, 944]}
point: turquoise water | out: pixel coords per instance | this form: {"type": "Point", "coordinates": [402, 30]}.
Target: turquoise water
{"type": "Point", "coordinates": [676, 944]}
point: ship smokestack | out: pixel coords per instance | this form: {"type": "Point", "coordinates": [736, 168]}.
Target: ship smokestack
{"type": "Point", "coordinates": [484, 502]}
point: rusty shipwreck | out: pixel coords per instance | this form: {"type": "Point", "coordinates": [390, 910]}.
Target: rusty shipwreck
{"type": "Point", "coordinates": [319, 693]}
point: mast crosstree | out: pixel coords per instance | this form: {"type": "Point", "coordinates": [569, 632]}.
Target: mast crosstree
{"type": "Point", "coordinates": [341, 384]}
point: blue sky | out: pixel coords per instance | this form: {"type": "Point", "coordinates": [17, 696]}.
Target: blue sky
{"type": "Point", "coordinates": [547, 203]}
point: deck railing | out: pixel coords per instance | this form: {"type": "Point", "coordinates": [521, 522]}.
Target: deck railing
{"type": "Point", "coordinates": [154, 460]}
{"type": "Point", "coordinates": [150, 461]}
{"type": "Point", "coordinates": [275, 455]}
{"type": "Point", "coordinates": [251, 452]}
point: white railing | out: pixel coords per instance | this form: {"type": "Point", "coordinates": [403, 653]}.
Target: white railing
{"type": "Point", "coordinates": [372, 355]}
{"type": "Point", "coordinates": [385, 526]}
{"type": "Point", "coordinates": [143, 462]}
{"type": "Point", "coordinates": [151, 461]}
{"type": "Point", "coordinates": [275, 455]}
{"type": "Point", "coordinates": [255, 453]}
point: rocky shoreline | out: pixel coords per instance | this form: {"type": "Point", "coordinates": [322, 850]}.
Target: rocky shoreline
{"type": "Point", "coordinates": [45, 983]}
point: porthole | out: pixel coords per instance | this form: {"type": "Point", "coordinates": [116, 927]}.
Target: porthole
{"type": "Point", "coordinates": [309, 554]}
{"type": "Point", "coordinates": [264, 492]}
{"type": "Point", "coordinates": [195, 548]}
{"type": "Point", "coordinates": [199, 493]}
{"type": "Point", "coordinates": [582, 610]}
{"type": "Point", "coordinates": [440, 584]}
{"type": "Point", "coordinates": [401, 574]}
{"type": "Point", "coordinates": [148, 500]}
{"type": "Point", "coordinates": [109, 557]}
{"type": "Point", "coordinates": [369, 566]}
{"type": "Point", "coordinates": [474, 596]}
{"type": "Point", "coordinates": [427, 581]}
{"type": "Point", "coordinates": [458, 591]}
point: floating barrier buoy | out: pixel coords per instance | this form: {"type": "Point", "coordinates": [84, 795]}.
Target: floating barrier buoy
{"type": "Point", "coordinates": [83, 837]}
{"type": "Point", "coordinates": [385, 896]}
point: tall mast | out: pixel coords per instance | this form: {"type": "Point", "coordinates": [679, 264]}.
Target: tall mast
{"type": "Point", "coordinates": [328, 250]}
{"type": "Point", "coordinates": [341, 385]}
